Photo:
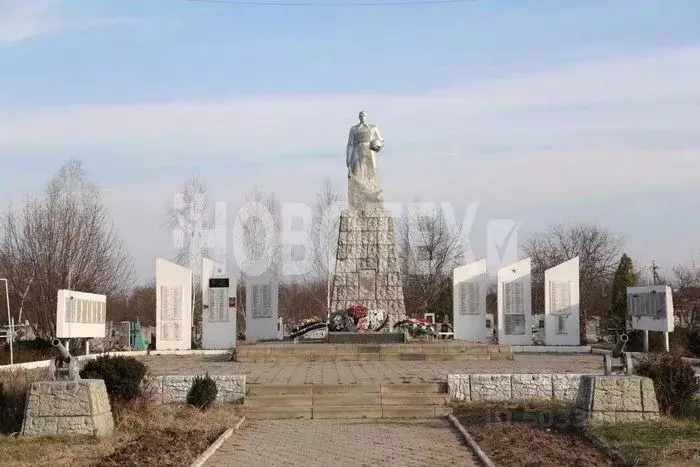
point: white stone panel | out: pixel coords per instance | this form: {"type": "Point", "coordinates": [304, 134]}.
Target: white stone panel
{"type": "Point", "coordinates": [561, 304]}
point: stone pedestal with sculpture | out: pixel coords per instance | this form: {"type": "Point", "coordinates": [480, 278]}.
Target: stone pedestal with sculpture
{"type": "Point", "coordinates": [367, 272]}
{"type": "Point", "coordinates": [67, 405]}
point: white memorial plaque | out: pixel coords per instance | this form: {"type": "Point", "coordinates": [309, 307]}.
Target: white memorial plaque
{"type": "Point", "coordinates": [650, 308]}
{"type": "Point", "coordinates": [261, 307]}
{"type": "Point", "coordinates": [469, 284]}
{"type": "Point", "coordinates": [218, 310]}
{"type": "Point", "coordinates": [561, 304]}
{"type": "Point", "coordinates": [173, 306]}
{"type": "Point", "coordinates": [559, 297]}
{"type": "Point", "coordinates": [469, 298]}
{"type": "Point", "coordinates": [80, 314]}
{"type": "Point", "coordinates": [218, 307]}
{"type": "Point", "coordinates": [514, 304]}
{"type": "Point", "coordinates": [513, 293]}
{"type": "Point", "coordinates": [171, 303]}
{"type": "Point", "coordinates": [262, 301]}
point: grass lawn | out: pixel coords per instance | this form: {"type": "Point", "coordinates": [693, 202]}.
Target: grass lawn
{"type": "Point", "coordinates": [548, 434]}
{"type": "Point", "coordinates": [166, 435]}
{"type": "Point", "coordinates": [670, 442]}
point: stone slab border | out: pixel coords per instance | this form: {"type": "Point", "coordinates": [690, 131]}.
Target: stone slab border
{"type": "Point", "coordinates": [199, 461]}
{"type": "Point", "coordinates": [126, 353]}
{"type": "Point", "coordinates": [172, 389]}
{"type": "Point", "coordinates": [506, 387]}
{"type": "Point", "coordinates": [483, 457]}
{"type": "Point", "coordinates": [562, 349]}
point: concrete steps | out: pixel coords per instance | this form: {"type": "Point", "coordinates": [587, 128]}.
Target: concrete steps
{"type": "Point", "coordinates": [337, 401]}
{"type": "Point", "coordinates": [427, 351]}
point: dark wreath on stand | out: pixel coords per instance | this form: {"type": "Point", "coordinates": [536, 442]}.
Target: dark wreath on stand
{"type": "Point", "coordinates": [339, 321]}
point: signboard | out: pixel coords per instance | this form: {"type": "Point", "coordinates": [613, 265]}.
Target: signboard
{"type": "Point", "coordinates": [650, 308]}
{"type": "Point", "coordinates": [80, 314]}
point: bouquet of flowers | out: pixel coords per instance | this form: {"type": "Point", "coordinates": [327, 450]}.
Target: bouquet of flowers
{"type": "Point", "coordinates": [362, 325]}
{"type": "Point", "coordinates": [416, 327]}
{"type": "Point", "coordinates": [358, 312]}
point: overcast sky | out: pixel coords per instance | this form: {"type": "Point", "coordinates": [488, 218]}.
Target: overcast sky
{"type": "Point", "coordinates": [539, 111]}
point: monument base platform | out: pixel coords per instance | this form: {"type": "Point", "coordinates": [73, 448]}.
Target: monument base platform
{"type": "Point", "coordinates": [68, 408]}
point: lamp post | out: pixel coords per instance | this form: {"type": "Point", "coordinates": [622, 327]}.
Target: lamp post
{"type": "Point", "coordinates": [9, 319]}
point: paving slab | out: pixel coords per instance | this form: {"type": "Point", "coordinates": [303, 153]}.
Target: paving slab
{"type": "Point", "coordinates": [344, 443]}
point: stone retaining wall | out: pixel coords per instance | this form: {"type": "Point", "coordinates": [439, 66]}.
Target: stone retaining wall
{"type": "Point", "coordinates": [504, 387]}
{"type": "Point", "coordinates": [173, 388]}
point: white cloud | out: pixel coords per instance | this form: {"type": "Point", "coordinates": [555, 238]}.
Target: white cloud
{"type": "Point", "coordinates": [21, 20]}
{"type": "Point", "coordinates": [598, 127]}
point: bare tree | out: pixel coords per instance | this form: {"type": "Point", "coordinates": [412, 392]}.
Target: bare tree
{"type": "Point", "coordinates": [686, 297]}
{"type": "Point", "coordinates": [62, 238]}
{"type": "Point", "coordinates": [259, 234]}
{"type": "Point", "coordinates": [429, 250]}
{"type": "Point", "coordinates": [598, 251]}
{"type": "Point", "coordinates": [326, 225]}
{"type": "Point", "coordinates": [188, 219]}
{"type": "Point", "coordinates": [262, 228]}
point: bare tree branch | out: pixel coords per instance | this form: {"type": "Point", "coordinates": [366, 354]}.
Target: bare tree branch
{"type": "Point", "coordinates": [64, 232]}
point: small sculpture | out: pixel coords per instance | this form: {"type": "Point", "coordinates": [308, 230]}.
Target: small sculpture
{"type": "Point", "coordinates": [64, 366]}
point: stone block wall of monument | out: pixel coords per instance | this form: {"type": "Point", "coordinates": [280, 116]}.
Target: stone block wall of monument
{"type": "Point", "coordinates": [367, 267]}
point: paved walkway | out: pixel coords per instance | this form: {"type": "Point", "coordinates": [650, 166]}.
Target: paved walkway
{"type": "Point", "coordinates": [273, 443]}
{"type": "Point", "coordinates": [369, 372]}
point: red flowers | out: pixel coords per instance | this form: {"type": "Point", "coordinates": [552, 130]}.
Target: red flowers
{"type": "Point", "coordinates": [358, 311]}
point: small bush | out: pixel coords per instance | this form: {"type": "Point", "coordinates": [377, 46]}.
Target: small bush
{"type": "Point", "coordinates": [202, 393]}
{"type": "Point", "coordinates": [674, 381]}
{"type": "Point", "coordinates": [122, 376]}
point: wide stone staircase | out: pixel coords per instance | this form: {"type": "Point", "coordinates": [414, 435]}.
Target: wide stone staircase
{"type": "Point", "coordinates": [352, 401]}
{"type": "Point", "coordinates": [425, 351]}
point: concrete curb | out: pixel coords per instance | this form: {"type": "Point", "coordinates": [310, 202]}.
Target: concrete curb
{"type": "Point", "coordinates": [199, 462]}
{"type": "Point", "coordinates": [485, 460]}
{"type": "Point", "coordinates": [606, 448]}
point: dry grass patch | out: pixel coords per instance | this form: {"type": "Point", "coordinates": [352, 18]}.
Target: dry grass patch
{"type": "Point", "coordinates": [528, 433]}
{"type": "Point", "coordinates": [145, 434]}
{"type": "Point", "coordinates": [664, 443]}
{"type": "Point", "coordinates": [508, 431]}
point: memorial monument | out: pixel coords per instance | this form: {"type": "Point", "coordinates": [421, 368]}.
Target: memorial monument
{"type": "Point", "coordinates": [367, 268]}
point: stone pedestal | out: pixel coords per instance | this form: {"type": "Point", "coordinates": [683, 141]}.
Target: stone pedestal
{"type": "Point", "coordinates": [617, 399]}
{"type": "Point", "coordinates": [367, 266]}
{"type": "Point", "coordinates": [64, 408]}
